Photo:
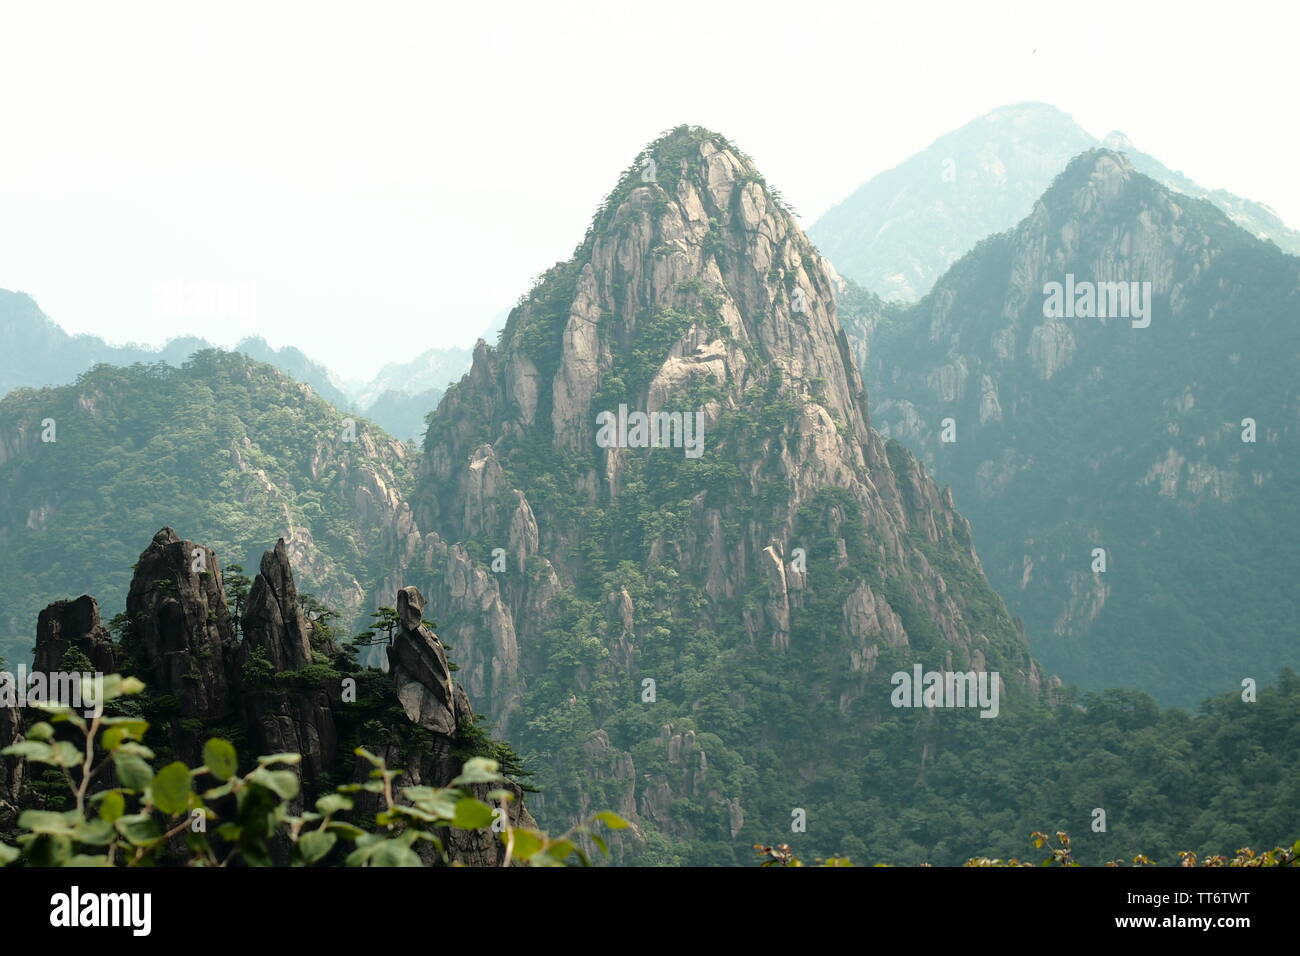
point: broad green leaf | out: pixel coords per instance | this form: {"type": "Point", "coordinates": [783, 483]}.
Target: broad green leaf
{"type": "Point", "coordinates": [112, 807]}
{"type": "Point", "coordinates": [49, 822]}
{"type": "Point", "coordinates": [471, 814]}
{"type": "Point", "coordinates": [289, 760]}
{"type": "Point", "coordinates": [394, 853]}
{"type": "Point", "coordinates": [283, 783]}
{"type": "Point", "coordinates": [345, 830]}
{"type": "Point", "coordinates": [49, 849]}
{"type": "Point", "coordinates": [94, 832]}
{"type": "Point", "coordinates": [559, 849]}
{"type": "Point", "coordinates": [60, 714]}
{"type": "Point", "coordinates": [315, 844]}
{"type": "Point", "coordinates": [220, 758]}
{"type": "Point", "coordinates": [30, 750]}
{"type": "Point", "coordinates": [527, 843]}
{"type": "Point", "coordinates": [133, 772]}
{"type": "Point", "coordinates": [40, 731]}
{"type": "Point", "coordinates": [136, 749]}
{"type": "Point", "coordinates": [441, 803]}
{"type": "Point", "coordinates": [139, 829]}
{"type": "Point", "coordinates": [612, 820]}
{"type": "Point", "coordinates": [115, 737]}
{"type": "Point", "coordinates": [8, 854]}
{"type": "Point", "coordinates": [64, 754]}
{"type": "Point", "coordinates": [171, 789]}
{"type": "Point", "coordinates": [333, 803]}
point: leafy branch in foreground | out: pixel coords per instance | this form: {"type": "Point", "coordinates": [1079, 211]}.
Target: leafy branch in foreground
{"type": "Point", "coordinates": [145, 817]}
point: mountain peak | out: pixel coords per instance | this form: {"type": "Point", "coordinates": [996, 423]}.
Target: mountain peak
{"type": "Point", "coordinates": [1118, 140]}
{"type": "Point", "coordinates": [1091, 180]}
{"type": "Point", "coordinates": [693, 274]}
{"type": "Point", "coordinates": [1027, 109]}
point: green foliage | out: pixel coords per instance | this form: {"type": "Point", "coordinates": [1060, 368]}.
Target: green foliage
{"type": "Point", "coordinates": [172, 817]}
{"type": "Point", "coordinates": [237, 586]}
{"type": "Point", "coordinates": [224, 449]}
{"type": "Point", "coordinates": [1131, 443]}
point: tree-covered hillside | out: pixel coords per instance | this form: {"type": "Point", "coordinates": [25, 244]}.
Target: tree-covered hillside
{"type": "Point", "coordinates": [1171, 448]}
{"type": "Point", "coordinates": [224, 446]}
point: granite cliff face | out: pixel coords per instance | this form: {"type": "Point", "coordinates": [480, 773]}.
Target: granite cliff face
{"type": "Point", "coordinates": [611, 605]}
{"type": "Point", "coordinates": [1122, 432]}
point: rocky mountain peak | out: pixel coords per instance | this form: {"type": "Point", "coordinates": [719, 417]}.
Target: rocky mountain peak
{"type": "Point", "coordinates": [273, 620]}
{"type": "Point", "coordinates": [572, 563]}
{"type": "Point", "coordinates": [693, 274]}
{"type": "Point", "coordinates": [177, 611]}
{"type": "Point", "coordinates": [899, 232]}
{"type": "Point", "coordinates": [1118, 140]}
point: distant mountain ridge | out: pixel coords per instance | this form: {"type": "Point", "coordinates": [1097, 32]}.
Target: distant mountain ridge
{"type": "Point", "coordinates": [36, 352]}
{"type": "Point", "coordinates": [902, 229]}
{"type": "Point", "coordinates": [1171, 447]}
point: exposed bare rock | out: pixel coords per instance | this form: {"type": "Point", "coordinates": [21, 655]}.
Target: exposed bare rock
{"type": "Point", "coordinates": [267, 689]}
{"type": "Point", "coordinates": [177, 612]}
{"type": "Point", "coordinates": [284, 719]}
{"type": "Point", "coordinates": [778, 601]}
{"type": "Point", "coordinates": [418, 664]}
{"type": "Point", "coordinates": [273, 621]}
{"type": "Point", "coordinates": [76, 625]}
{"type": "Point", "coordinates": [870, 621]}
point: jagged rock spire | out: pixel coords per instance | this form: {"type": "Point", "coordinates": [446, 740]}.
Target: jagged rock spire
{"type": "Point", "coordinates": [273, 620]}
{"type": "Point", "coordinates": [177, 610]}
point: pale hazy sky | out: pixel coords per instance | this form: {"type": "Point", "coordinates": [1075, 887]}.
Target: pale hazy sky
{"type": "Point", "coordinates": [386, 177]}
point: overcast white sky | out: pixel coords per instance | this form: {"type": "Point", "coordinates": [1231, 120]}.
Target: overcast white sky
{"type": "Point", "coordinates": [386, 177]}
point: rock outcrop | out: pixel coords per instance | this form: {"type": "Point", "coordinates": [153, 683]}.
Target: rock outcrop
{"type": "Point", "coordinates": [177, 614]}
{"type": "Point", "coordinates": [418, 665]}
{"type": "Point", "coordinates": [295, 717]}
{"type": "Point", "coordinates": [73, 625]}
{"type": "Point", "coordinates": [272, 684]}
